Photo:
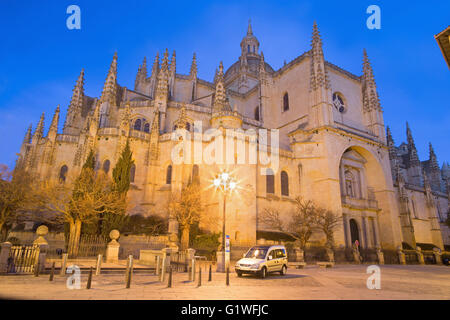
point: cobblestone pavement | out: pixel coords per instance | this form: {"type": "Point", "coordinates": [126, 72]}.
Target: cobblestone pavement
{"type": "Point", "coordinates": [340, 282]}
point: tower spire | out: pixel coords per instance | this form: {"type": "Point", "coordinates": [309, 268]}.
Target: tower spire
{"type": "Point", "coordinates": [249, 28]}
{"type": "Point", "coordinates": [76, 104]}
{"type": "Point", "coordinates": [371, 100]}
{"type": "Point", "coordinates": [27, 138]}
{"type": "Point", "coordinates": [220, 98]}
{"type": "Point", "coordinates": [110, 87]}
{"type": "Point", "coordinates": [318, 75]}
{"type": "Point", "coordinates": [155, 67]}
{"type": "Point", "coordinates": [413, 157]}
{"type": "Point", "coordinates": [54, 125]}
{"type": "Point", "coordinates": [433, 159]}
{"type": "Point", "coordinates": [141, 75]}
{"type": "Point", "coordinates": [193, 70]}
{"type": "Point", "coordinates": [39, 133]}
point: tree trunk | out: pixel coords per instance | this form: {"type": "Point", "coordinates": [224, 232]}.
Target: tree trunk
{"type": "Point", "coordinates": [76, 242]}
{"type": "Point", "coordinates": [184, 238]}
{"type": "Point", "coordinates": [3, 233]}
{"type": "Point", "coordinates": [71, 238]}
{"type": "Point", "coordinates": [74, 237]}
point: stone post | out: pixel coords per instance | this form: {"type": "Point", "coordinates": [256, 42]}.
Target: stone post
{"type": "Point", "coordinates": [4, 255]}
{"type": "Point", "coordinates": [190, 254]}
{"type": "Point", "coordinates": [98, 267]}
{"type": "Point", "coordinates": [420, 255]}
{"type": "Point", "coordinates": [380, 255]}
{"type": "Point", "coordinates": [63, 264]}
{"type": "Point", "coordinates": [167, 256]}
{"type": "Point", "coordinates": [43, 247]}
{"type": "Point", "coordinates": [437, 255]}
{"type": "Point", "coordinates": [401, 255]}
{"type": "Point", "coordinates": [112, 250]}
{"type": "Point", "coordinates": [299, 254]}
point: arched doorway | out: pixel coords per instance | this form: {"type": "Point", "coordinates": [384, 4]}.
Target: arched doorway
{"type": "Point", "coordinates": [354, 231]}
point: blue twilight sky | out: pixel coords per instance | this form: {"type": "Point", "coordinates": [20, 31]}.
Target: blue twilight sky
{"type": "Point", "coordinates": [40, 59]}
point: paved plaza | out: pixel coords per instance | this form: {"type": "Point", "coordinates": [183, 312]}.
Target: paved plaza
{"type": "Point", "coordinates": [340, 282]}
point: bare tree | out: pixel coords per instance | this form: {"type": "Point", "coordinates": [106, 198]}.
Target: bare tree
{"type": "Point", "coordinates": [91, 196]}
{"type": "Point", "coordinates": [187, 208]}
{"type": "Point", "coordinates": [14, 195]}
{"type": "Point", "coordinates": [328, 222]}
{"type": "Point", "coordinates": [301, 223]}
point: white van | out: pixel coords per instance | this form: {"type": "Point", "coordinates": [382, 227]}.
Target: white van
{"type": "Point", "coordinates": [262, 260]}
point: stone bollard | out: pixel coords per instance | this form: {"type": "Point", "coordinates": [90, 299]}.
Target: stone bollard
{"type": "Point", "coordinates": [228, 276]}
{"type": "Point", "coordinates": [129, 271]}
{"type": "Point", "coordinates": [401, 255]}
{"type": "Point", "coordinates": [158, 265]}
{"type": "Point", "coordinates": [380, 255]}
{"type": "Point", "coordinates": [4, 255]}
{"type": "Point", "coordinates": [52, 272]}
{"type": "Point", "coordinates": [163, 269]}
{"type": "Point", "coordinates": [89, 282]}
{"type": "Point", "coordinates": [193, 269]}
{"type": "Point", "coordinates": [199, 277]}
{"type": "Point", "coordinates": [62, 272]}
{"type": "Point", "coordinates": [420, 255]}
{"type": "Point", "coordinates": [437, 255]}
{"type": "Point", "coordinates": [112, 250]}
{"type": "Point", "coordinates": [169, 283]}
{"type": "Point", "coordinates": [98, 267]}
{"type": "Point", "coordinates": [210, 273]}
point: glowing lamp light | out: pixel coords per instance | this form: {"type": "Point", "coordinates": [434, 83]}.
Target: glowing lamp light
{"type": "Point", "coordinates": [232, 185]}
{"type": "Point", "coordinates": [225, 176]}
{"type": "Point", "coordinates": [217, 182]}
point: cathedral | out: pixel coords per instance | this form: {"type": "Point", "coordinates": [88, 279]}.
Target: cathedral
{"type": "Point", "coordinates": [333, 146]}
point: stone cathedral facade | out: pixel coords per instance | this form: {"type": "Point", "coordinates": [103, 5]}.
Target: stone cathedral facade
{"type": "Point", "coordinates": [334, 147]}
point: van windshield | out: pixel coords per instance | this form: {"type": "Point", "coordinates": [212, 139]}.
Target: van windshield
{"type": "Point", "coordinates": [256, 253]}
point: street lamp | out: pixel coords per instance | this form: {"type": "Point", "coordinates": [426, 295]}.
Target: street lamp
{"type": "Point", "coordinates": [226, 184]}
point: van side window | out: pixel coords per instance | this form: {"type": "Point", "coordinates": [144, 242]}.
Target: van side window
{"type": "Point", "coordinates": [272, 253]}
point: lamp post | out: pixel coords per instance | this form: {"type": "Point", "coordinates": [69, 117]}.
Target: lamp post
{"type": "Point", "coordinates": [226, 184]}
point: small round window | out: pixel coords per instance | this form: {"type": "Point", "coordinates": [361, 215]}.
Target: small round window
{"type": "Point", "coordinates": [338, 102]}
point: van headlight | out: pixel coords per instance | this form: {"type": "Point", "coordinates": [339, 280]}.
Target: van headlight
{"type": "Point", "coordinates": [254, 266]}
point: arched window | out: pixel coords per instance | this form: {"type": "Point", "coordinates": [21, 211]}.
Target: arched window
{"type": "Point", "coordinates": [286, 102]}
{"type": "Point", "coordinates": [169, 175]}
{"type": "Point", "coordinates": [350, 184]}
{"type": "Point", "coordinates": [237, 236]}
{"type": "Point", "coordinates": [257, 113]}
{"type": "Point", "coordinates": [147, 127]}
{"type": "Point", "coordinates": [63, 173]}
{"type": "Point", "coordinates": [132, 172]}
{"type": "Point", "coordinates": [137, 124]}
{"type": "Point", "coordinates": [106, 165]}
{"type": "Point", "coordinates": [284, 184]}
{"type": "Point", "coordinates": [354, 230]}
{"type": "Point", "coordinates": [248, 48]}
{"type": "Point", "coordinates": [338, 102]}
{"type": "Point", "coordinates": [270, 181]}
{"type": "Point", "coordinates": [188, 126]}
{"type": "Point", "coordinates": [195, 173]}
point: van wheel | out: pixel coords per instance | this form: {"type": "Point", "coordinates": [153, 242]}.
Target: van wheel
{"type": "Point", "coordinates": [239, 274]}
{"type": "Point", "coordinates": [283, 271]}
{"type": "Point", "coordinates": [263, 273]}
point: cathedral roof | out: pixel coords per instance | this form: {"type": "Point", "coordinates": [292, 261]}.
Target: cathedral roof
{"type": "Point", "coordinates": [253, 67]}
